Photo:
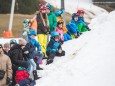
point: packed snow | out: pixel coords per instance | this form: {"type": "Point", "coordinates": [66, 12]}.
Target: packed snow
{"type": "Point", "coordinates": [89, 60]}
{"type": "Point", "coordinates": [71, 6]}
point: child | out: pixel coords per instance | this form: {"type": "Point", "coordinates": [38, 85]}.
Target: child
{"type": "Point", "coordinates": [58, 14]}
{"type": "Point", "coordinates": [22, 78]}
{"type": "Point", "coordinates": [59, 29]}
{"type": "Point", "coordinates": [54, 48]}
{"type": "Point", "coordinates": [6, 48]}
{"type": "Point", "coordinates": [82, 26]}
{"type": "Point", "coordinates": [73, 26]}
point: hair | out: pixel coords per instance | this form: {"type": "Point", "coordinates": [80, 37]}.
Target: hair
{"type": "Point", "coordinates": [59, 22]}
{"type": "Point", "coordinates": [6, 45]}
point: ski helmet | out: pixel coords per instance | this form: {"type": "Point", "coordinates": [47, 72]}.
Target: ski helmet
{"type": "Point", "coordinates": [13, 41]}
{"type": "Point", "coordinates": [53, 34]}
{"type": "Point", "coordinates": [74, 15]}
{"type": "Point", "coordinates": [58, 12]}
{"type": "Point", "coordinates": [80, 11]}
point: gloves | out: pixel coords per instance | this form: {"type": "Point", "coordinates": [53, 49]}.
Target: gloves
{"type": "Point", "coordinates": [8, 81]}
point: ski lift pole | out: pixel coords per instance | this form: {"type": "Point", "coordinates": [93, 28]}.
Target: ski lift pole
{"type": "Point", "coordinates": [63, 8]}
{"type": "Point", "coordinates": [11, 19]}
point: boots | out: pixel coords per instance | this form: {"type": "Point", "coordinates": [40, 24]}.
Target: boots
{"type": "Point", "coordinates": [35, 75]}
{"type": "Point", "coordinates": [38, 67]}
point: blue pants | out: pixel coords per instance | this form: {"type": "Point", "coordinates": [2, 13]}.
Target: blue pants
{"type": "Point", "coordinates": [40, 56]}
{"type": "Point", "coordinates": [67, 37]}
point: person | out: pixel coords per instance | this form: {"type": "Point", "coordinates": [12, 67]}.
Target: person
{"type": "Point", "coordinates": [12, 42]}
{"type": "Point", "coordinates": [72, 26]}
{"type": "Point", "coordinates": [5, 69]}
{"type": "Point", "coordinates": [82, 26]}
{"type": "Point", "coordinates": [6, 49]}
{"type": "Point", "coordinates": [16, 56]}
{"type": "Point", "coordinates": [54, 48]}
{"type": "Point", "coordinates": [42, 27]}
{"type": "Point", "coordinates": [59, 29]}
{"type": "Point", "coordinates": [59, 17]}
{"type": "Point", "coordinates": [51, 17]}
{"type": "Point", "coordinates": [22, 77]}
{"type": "Point", "coordinates": [38, 52]}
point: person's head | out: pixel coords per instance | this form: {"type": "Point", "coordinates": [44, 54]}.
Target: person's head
{"type": "Point", "coordinates": [48, 8]}
{"type": "Point", "coordinates": [42, 8]}
{"type": "Point", "coordinates": [1, 48]}
{"type": "Point", "coordinates": [75, 16]}
{"type": "Point", "coordinates": [26, 23]}
{"type": "Point", "coordinates": [12, 42]}
{"type": "Point", "coordinates": [58, 13]}
{"type": "Point", "coordinates": [22, 42]}
{"type": "Point", "coordinates": [7, 46]}
{"type": "Point", "coordinates": [32, 34]}
{"type": "Point", "coordinates": [60, 24]}
{"type": "Point", "coordinates": [80, 13]}
{"type": "Point", "coordinates": [55, 36]}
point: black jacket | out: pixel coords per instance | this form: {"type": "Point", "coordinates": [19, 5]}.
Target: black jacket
{"type": "Point", "coordinates": [16, 55]}
{"type": "Point", "coordinates": [31, 48]}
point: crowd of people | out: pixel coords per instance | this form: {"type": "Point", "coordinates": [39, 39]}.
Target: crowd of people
{"type": "Point", "coordinates": [19, 61]}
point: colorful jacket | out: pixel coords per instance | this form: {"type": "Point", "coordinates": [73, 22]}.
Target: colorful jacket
{"type": "Point", "coordinates": [60, 31]}
{"type": "Point", "coordinates": [59, 18]}
{"type": "Point", "coordinates": [21, 75]}
{"type": "Point", "coordinates": [52, 21]}
{"type": "Point", "coordinates": [81, 20]}
{"type": "Point", "coordinates": [42, 24]}
{"type": "Point", "coordinates": [53, 46]}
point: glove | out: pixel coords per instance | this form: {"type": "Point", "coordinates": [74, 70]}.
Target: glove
{"type": "Point", "coordinates": [8, 81]}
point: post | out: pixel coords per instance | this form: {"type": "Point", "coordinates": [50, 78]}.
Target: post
{"type": "Point", "coordinates": [63, 8]}
{"type": "Point", "coordinates": [11, 18]}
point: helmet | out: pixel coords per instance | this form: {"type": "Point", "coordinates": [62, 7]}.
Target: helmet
{"type": "Point", "coordinates": [26, 21]}
{"type": "Point", "coordinates": [32, 32]}
{"type": "Point", "coordinates": [58, 12]}
{"type": "Point", "coordinates": [74, 15]}
{"type": "Point", "coordinates": [53, 34]}
{"type": "Point", "coordinates": [13, 41]}
{"type": "Point", "coordinates": [48, 6]}
{"type": "Point", "coordinates": [80, 11]}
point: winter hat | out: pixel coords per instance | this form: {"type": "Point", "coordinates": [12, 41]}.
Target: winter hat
{"type": "Point", "coordinates": [13, 41]}
{"type": "Point", "coordinates": [32, 32]}
{"type": "Point", "coordinates": [74, 15]}
{"type": "Point", "coordinates": [48, 6]}
{"type": "Point", "coordinates": [22, 41]}
{"type": "Point", "coordinates": [53, 34]}
{"type": "Point", "coordinates": [58, 12]}
{"type": "Point", "coordinates": [42, 7]}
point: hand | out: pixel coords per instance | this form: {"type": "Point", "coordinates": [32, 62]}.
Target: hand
{"type": "Point", "coordinates": [8, 81]}
{"type": "Point", "coordinates": [26, 52]}
{"type": "Point", "coordinates": [60, 51]}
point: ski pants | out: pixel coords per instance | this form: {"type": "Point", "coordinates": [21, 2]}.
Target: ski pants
{"type": "Point", "coordinates": [81, 28]}
{"type": "Point", "coordinates": [67, 37]}
{"type": "Point", "coordinates": [42, 39]}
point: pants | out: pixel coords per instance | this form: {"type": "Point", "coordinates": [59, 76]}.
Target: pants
{"type": "Point", "coordinates": [51, 56]}
{"type": "Point", "coordinates": [81, 28]}
{"type": "Point", "coordinates": [40, 57]}
{"type": "Point", "coordinates": [32, 65]}
{"type": "Point", "coordinates": [42, 39]}
{"type": "Point", "coordinates": [67, 37]}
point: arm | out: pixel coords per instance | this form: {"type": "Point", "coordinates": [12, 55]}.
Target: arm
{"type": "Point", "coordinates": [37, 45]}
{"type": "Point", "coordinates": [9, 68]}
{"type": "Point", "coordinates": [54, 21]}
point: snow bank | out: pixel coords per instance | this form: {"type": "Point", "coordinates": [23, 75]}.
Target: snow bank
{"type": "Point", "coordinates": [71, 6]}
{"type": "Point", "coordinates": [89, 60]}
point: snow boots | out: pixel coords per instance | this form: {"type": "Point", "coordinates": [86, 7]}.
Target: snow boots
{"type": "Point", "coordinates": [38, 67]}
{"type": "Point", "coordinates": [35, 75]}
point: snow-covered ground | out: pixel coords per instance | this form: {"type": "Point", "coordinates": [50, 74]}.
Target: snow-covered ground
{"type": "Point", "coordinates": [71, 6]}
{"type": "Point", "coordinates": [89, 60]}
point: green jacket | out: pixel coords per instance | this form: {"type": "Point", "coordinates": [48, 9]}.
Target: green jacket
{"type": "Point", "coordinates": [52, 21]}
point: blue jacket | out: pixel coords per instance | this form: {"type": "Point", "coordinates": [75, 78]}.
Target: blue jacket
{"type": "Point", "coordinates": [35, 43]}
{"type": "Point", "coordinates": [53, 46]}
{"type": "Point", "coordinates": [81, 20]}
{"type": "Point", "coordinates": [72, 27]}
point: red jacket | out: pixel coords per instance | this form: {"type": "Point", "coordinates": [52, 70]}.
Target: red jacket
{"type": "Point", "coordinates": [21, 75]}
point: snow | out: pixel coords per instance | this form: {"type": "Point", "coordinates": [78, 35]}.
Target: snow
{"type": "Point", "coordinates": [89, 60]}
{"type": "Point", "coordinates": [71, 6]}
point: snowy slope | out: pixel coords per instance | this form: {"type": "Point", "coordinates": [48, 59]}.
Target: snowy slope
{"type": "Point", "coordinates": [71, 6]}
{"type": "Point", "coordinates": [89, 60]}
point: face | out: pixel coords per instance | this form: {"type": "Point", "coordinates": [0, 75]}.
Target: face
{"type": "Point", "coordinates": [6, 48]}
{"type": "Point", "coordinates": [1, 50]}
{"type": "Point", "coordinates": [43, 11]}
{"type": "Point", "coordinates": [32, 37]}
{"type": "Point", "coordinates": [47, 11]}
{"type": "Point", "coordinates": [56, 38]}
{"type": "Point", "coordinates": [81, 15]}
{"type": "Point", "coordinates": [76, 18]}
{"type": "Point", "coordinates": [60, 25]}
{"type": "Point", "coordinates": [22, 46]}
